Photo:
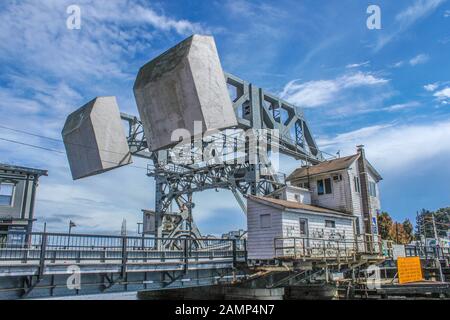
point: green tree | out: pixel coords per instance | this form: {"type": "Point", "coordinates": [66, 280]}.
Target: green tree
{"type": "Point", "coordinates": [408, 231]}
{"type": "Point", "coordinates": [442, 217]}
{"type": "Point", "coordinates": [424, 223]}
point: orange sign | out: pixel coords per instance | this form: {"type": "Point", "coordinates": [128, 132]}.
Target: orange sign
{"type": "Point", "coordinates": [409, 269]}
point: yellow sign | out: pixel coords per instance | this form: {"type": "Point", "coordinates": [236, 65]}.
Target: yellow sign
{"type": "Point", "coordinates": [409, 269]}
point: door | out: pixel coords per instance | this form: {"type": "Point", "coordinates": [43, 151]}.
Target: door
{"type": "Point", "coordinates": [304, 233]}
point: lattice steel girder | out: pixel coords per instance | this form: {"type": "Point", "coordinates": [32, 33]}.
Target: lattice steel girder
{"type": "Point", "coordinates": [239, 177]}
{"type": "Point", "coordinates": [255, 108]}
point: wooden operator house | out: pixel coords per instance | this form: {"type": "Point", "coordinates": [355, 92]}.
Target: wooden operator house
{"type": "Point", "coordinates": [328, 210]}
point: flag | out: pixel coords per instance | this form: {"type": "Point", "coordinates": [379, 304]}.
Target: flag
{"type": "Point", "coordinates": [72, 224]}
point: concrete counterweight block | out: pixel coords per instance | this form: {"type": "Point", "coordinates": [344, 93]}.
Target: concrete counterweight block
{"type": "Point", "coordinates": [183, 85]}
{"type": "Point", "coordinates": [94, 138]}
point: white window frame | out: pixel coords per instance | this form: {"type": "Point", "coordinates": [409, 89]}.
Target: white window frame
{"type": "Point", "coordinates": [357, 184]}
{"type": "Point", "coordinates": [13, 191]}
{"type": "Point", "coordinates": [372, 189]}
{"type": "Point", "coordinates": [269, 221]}
{"type": "Point", "coordinates": [324, 186]}
{"type": "Point", "coordinates": [304, 185]}
{"type": "Point", "coordinates": [305, 221]}
{"type": "Point", "coordinates": [332, 221]}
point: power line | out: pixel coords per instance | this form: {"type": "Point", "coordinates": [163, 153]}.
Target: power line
{"type": "Point", "coordinates": [59, 140]}
{"type": "Point", "coordinates": [56, 140]}
{"type": "Point", "coordinates": [29, 133]}
{"type": "Point", "coordinates": [59, 151]}
{"type": "Point", "coordinates": [32, 145]}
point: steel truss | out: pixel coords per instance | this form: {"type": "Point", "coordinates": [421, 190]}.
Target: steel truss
{"type": "Point", "coordinates": [256, 110]}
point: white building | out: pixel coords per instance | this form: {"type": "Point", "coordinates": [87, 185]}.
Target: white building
{"type": "Point", "coordinates": [275, 223]}
{"type": "Point", "coordinates": [329, 206]}
{"type": "Point", "coordinates": [348, 184]}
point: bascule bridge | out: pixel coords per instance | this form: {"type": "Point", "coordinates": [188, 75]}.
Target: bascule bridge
{"type": "Point", "coordinates": [191, 109]}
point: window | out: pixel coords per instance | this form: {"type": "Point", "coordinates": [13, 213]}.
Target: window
{"type": "Point", "coordinates": [6, 194]}
{"type": "Point", "coordinates": [304, 185]}
{"type": "Point", "coordinates": [330, 224]}
{"type": "Point", "coordinates": [297, 197]}
{"type": "Point", "coordinates": [357, 185]}
{"type": "Point", "coordinates": [327, 186]}
{"type": "Point", "coordinates": [358, 228]}
{"type": "Point", "coordinates": [303, 227]}
{"type": "Point", "coordinates": [372, 189]}
{"type": "Point", "coordinates": [264, 220]}
{"type": "Point", "coordinates": [324, 186]}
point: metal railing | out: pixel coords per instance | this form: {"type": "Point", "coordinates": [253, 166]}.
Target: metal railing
{"type": "Point", "coordinates": [416, 250]}
{"type": "Point", "coordinates": [427, 252]}
{"type": "Point", "coordinates": [325, 248]}
{"type": "Point", "coordinates": [46, 248]}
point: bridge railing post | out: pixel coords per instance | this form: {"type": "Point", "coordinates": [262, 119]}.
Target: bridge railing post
{"type": "Point", "coordinates": [42, 254]}
{"type": "Point", "coordinates": [245, 251]}
{"type": "Point", "coordinates": [234, 253]}
{"type": "Point", "coordinates": [124, 256]}
{"type": "Point", "coordinates": [186, 253]}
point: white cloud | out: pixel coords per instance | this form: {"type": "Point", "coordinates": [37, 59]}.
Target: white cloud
{"type": "Point", "coordinates": [395, 148]}
{"type": "Point", "coordinates": [357, 65]}
{"type": "Point", "coordinates": [418, 10]}
{"type": "Point", "coordinates": [320, 92]}
{"type": "Point", "coordinates": [402, 106]}
{"type": "Point", "coordinates": [112, 34]}
{"type": "Point", "coordinates": [408, 17]}
{"type": "Point", "coordinates": [399, 64]}
{"type": "Point", "coordinates": [182, 27]}
{"type": "Point", "coordinates": [431, 86]}
{"type": "Point", "coordinates": [419, 59]}
{"type": "Point", "coordinates": [447, 13]}
{"type": "Point", "coordinates": [443, 95]}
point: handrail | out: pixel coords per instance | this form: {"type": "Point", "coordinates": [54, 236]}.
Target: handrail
{"type": "Point", "coordinates": [52, 247]}
{"type": "Point", "coordinates": [320, 247]}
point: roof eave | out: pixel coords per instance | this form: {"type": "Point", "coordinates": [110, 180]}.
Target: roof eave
{"type": "Point", "coordinates": [330, 213]}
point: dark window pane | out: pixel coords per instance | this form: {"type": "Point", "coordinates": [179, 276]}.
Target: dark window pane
{"type": "Point", "coordinates": [358, 230]}
{"type": "Point", "coordinates": [372, 189]}
{"type": "Point", "coordinates": [356, 184]}
{"type": "Point", "coordinates": [302, 227]}
{"type": "Point", "coordinates": [320, 187]}
{"type": "Point", "coordinates": [330, 224]}
{"type": "Point", "coordinates": [328, 186]}
{"type": "Point", "coordinates": [5, 200]}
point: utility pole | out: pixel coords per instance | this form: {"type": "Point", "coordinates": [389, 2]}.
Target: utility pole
{"type": "Point", "coordinates": [123, 229]}
{"type": "Point", "coordinates": [71, 225]}
{"type": "Point", "coordinates": [396, 231]}
{"type": "Point", "coordinates": [441, 275]}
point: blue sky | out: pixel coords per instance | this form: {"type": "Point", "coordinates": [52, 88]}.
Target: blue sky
{"type": "Point", "coordinates": [388, 89]}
